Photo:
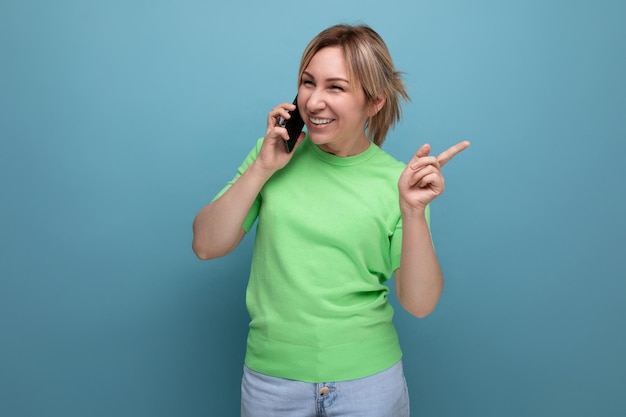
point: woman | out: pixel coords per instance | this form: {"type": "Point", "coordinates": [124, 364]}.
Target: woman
{"type": "Point", "coordinates": [336, 218]}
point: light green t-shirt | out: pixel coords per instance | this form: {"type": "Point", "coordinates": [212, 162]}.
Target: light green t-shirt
{"type": "Point", "coordinates": [329, 235]}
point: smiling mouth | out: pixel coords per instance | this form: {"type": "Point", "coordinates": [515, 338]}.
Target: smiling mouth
{"type": "Point", "coordinates": [320, 122]}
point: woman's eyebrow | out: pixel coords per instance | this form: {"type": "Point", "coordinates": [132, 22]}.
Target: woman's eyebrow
{"type": "Point", "coordinates": [332, 79]}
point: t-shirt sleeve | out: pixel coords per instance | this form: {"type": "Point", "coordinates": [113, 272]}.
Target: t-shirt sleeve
{"type": "Point", "coordinates": [396, 241]}
{"type": "Point", "coordinates": [253, 213]}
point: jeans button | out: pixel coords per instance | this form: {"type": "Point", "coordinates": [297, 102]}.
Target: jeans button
{"type": "Point", "coordinates": [324, 391]}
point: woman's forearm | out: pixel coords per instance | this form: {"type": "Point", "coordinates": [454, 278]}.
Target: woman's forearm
{"type": "Point", "coordinates": [419, 280]}
{"type": "Point", "coordinates": [218, 227]}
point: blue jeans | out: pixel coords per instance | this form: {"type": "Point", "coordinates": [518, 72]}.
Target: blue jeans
{"type": "Point", "coordinates": [384, 394]}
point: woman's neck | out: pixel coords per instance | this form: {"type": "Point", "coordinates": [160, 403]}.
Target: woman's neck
{"type": "Point", "coordinates": [351, 149]}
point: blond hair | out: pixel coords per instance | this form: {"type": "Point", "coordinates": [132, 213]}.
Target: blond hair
{"type": "Point", "coordinates": [370, 66]}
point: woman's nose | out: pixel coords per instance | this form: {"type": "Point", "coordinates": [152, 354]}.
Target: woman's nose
{"type": "Point", "coordinates": [315, 102]}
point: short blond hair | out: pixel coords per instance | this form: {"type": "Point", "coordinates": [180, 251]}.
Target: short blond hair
{"type": "Point", "coordinates": [370, 65]}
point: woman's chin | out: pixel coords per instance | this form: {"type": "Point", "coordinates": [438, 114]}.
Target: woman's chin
{"type": "Point", "coordinates": [318, 139]}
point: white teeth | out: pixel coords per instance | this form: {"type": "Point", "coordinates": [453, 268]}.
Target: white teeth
{"type": "Point", "coordinates": [320, 121]}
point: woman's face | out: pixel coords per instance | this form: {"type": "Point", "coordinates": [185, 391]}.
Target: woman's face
{"type": "Point", "coordinates": [333, 106]}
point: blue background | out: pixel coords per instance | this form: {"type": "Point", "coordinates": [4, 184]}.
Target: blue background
{"type": "Point", "coordinates": [119, 120]}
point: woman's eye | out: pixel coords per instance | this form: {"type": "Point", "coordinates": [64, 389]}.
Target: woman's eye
{"type": "Point", "coordinates": [336, 87]}
{"type": "Point", "coordinates": [307, 82]}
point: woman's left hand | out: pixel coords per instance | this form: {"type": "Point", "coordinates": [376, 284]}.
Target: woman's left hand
{"type": "Point", "coordinates": [421, 181]}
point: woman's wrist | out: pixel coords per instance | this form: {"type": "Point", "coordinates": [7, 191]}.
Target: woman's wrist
{"type": "Point", "coordinates": [412, 212]}
{"type": "Point", "coordinates": [260, 172]}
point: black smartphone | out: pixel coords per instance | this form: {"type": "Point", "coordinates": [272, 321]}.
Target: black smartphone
{"type": "Point", "coordinates": [294, 126]}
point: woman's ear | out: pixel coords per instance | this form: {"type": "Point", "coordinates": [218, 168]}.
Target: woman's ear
{"type": "Point", "coordinates": [377, 104]}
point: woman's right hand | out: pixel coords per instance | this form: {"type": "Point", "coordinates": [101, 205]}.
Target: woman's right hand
{"type": "Point", "coordinates": [273, 154]}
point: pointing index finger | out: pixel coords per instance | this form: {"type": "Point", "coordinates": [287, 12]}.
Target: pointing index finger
{"type": "Point", "coordinates": [445, 156]}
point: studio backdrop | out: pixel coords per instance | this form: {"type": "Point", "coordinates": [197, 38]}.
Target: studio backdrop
{"type": "Point", "coordinates": [119, 120]}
